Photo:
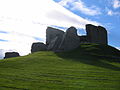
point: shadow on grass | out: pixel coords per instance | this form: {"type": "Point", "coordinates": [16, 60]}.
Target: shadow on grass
{"type": "Point", "coordinates": [99, 61]}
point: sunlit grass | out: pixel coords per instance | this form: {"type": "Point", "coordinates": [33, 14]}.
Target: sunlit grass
{"type": "Point", "coordinates": [73, 70]}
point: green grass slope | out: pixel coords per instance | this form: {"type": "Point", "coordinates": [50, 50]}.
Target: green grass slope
{"type": "Point", "coordinates": [89, 67]}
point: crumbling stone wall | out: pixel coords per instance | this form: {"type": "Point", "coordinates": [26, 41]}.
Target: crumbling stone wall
{"type": "Point", "coordinates": [58, 40]}
{"type": "Point", "coordinates": [38, 46]}
{"type": "Point", "coordinates": [92, 33]}
{"type": "Point", "coordinates": [70, 40]}
{"type": "Point", "coordinates": [53, 38]}
{"type": "Point", "coordinates": [102, 35]}
{"type": "Point", "coordinates": [11, 54]}
{"type": "Point", "coordinates": [83, 39]}
{"type": "Point", "coordinates": [96, 34]}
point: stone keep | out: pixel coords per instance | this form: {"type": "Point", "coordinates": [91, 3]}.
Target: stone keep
{"type": "Point", "coordinates": [11, 54]}
{"type": "Point", "coordinates": [92, 33]}
{"type": "Point", "coordinates": [102, 33]}
{"type": "Point", "coordinates": [60, 41]}
{"type": "Point", "coordinates": [70, 40]}
{"type": "Point", "coordinates": [96, 34]}
{"type": "Point", "coordinates": [38, 46]}
{"type": "Point", "coordinates": [53, 38]}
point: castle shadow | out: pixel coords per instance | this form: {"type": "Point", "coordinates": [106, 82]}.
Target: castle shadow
{"type": "Point", "coordinates": [99, 61]}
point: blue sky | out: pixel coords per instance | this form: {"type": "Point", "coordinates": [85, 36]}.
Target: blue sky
{"type": "Point", "coordinates": [23, 22]}
{"type": "Point", "coordinates": [106, 12]}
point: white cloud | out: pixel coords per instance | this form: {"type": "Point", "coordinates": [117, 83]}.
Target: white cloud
{"type": "Point", "coordinates": [111, 13]}
{"type": "Point", "coordinates": [1, 53]}
{"type": "Point", "coordinates": [81, 6]}
{"type": "Point", "coordinates": [26, 19]}
{"type": "Point", "coordinates": [66, 2]}
{"type": "Point", "coordinates": [86, 10]}
{"type": "Point", "coordinates": [17, 42]}
{"type": "Point", "coordinates": [116, 4]}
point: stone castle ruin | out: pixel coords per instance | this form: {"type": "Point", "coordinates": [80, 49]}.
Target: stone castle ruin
{"type": "Point", "coordinates": [58, 40]}
{"type": "Point", "coordinates": [96, 34]}
{"type": "Point", "coordinates": [11, 54]}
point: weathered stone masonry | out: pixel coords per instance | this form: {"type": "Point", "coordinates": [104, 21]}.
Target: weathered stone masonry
{"type": "Point", "coordinates": [58, 40]}
{"type": "Point", "coordinates": [11, 54]}
{"type": "Point", "coordinates": [96, 34]}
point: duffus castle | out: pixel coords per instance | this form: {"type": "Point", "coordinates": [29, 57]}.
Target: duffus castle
{"type": "Point", "coordinates": [60, 41]}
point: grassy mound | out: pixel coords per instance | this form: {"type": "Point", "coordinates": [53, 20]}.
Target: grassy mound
{"type": "Point", "coordinates": [96, 49]}
{"type": "Point", "coordinates": [87, 68]}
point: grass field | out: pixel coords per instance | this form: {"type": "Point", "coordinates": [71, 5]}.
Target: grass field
{"type": "Point", "coordinates": [89, 67]}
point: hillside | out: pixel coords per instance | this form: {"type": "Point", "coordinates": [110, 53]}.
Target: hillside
{"type": "Point", "coordinates": [89, 67]}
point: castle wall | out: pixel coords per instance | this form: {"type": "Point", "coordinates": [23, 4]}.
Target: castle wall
{"type": "Point", "coordinates": [53, 38]}
{"type": "Point", "coordinates": [102, 35]}
{"type": "Point", "coordinates": [38, 46]}
{"type": "Point", "coordinates": [58, 40]}
{"type": "Point", "coordinates": [83, 39]}
{"type": "Point", "coordinates": [92, 33]}
{"type": "Point", "coordinates": [70, 40]}
{"type": "Point", "coordinates": [96, 34]}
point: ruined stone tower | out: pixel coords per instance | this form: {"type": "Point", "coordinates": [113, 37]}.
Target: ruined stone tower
{"type": "Point", "coordinates": [96, 34]}
{"type": "Point", "coordinates": [58, 40]}
{"type": "Point", "coordinates": [53, 38]}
